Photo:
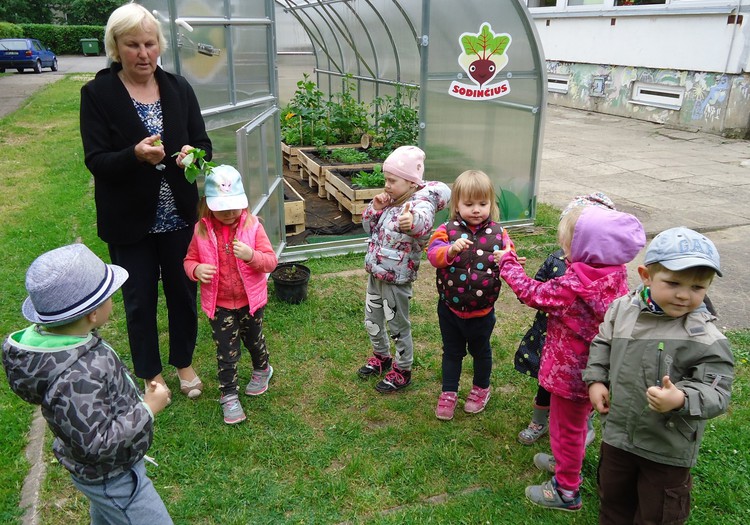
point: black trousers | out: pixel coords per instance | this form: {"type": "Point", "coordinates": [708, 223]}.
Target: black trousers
{"type": "Point", "coordinates": [230, 327]}
{"type": "Point", "coordinates": [158, 256]}
{"type": "Point", "coordinates": [459, 334]}
{"type": "Point", "coordinates": [637, 491]}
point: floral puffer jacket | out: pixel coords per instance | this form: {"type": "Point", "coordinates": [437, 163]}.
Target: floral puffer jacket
{"type": "Point", "coordinates": [392, 255]}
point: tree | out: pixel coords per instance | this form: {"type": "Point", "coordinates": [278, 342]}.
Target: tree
{"type": "Point", "coordinates": [89, 12]}
{"type": "Point", "coordinates": [26, 11]}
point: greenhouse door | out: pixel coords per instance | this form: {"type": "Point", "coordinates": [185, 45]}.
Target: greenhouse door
{"type": "Point", "coordinates": [226, 50]}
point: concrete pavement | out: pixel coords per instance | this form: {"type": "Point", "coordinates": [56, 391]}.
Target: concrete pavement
{"type": "Point", "coordinates": [665, 177]}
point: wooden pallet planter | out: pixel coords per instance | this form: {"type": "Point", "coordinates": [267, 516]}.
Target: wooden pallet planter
{"type": "Point", "coordinates": [339, 186]}
{"type": "Point", "coordinates": [312, 169]}
{"type": "Point", "coordinates": [294, 210]}
{"type": "Point", "coordinates": [289, 155]}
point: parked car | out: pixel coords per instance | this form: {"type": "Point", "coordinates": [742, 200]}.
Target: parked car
{"type": "Point", "coordinates": [25, 53]}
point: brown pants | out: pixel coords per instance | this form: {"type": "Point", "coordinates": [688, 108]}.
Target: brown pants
{"type": "Point", "coordinates": [638, 491]}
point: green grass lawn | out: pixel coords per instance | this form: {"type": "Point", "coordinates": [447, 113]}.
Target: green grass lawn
{"type": "Point", "coordinates": [321, 446]}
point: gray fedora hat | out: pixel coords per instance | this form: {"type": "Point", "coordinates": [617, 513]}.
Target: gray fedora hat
{"type": "Point", "coordinates": [67, 283]}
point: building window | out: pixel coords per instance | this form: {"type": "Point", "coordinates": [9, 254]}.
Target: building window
{"type": "Point", "coordinates": [657, 95]}
{"type": "Point", "coordinates": [585, 2]}
{"type": "Point", "coordinates": [542, 3]}
{"type": "Point", "coordinates": [639, 2]}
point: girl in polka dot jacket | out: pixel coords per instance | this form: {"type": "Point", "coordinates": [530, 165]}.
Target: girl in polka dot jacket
{"type": "Point", "coordinates": [468, 283]}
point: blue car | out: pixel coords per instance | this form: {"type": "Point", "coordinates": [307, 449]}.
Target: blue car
{"type": "Point", "coordinates": [25, 53]}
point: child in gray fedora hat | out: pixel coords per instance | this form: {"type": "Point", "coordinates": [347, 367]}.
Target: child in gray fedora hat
{"type": "Point", "coordinates": [103, 427]}
{"type": "Point", "coordinates": [657, 371]}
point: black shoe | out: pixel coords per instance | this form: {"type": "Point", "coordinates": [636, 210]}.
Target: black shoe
{"type": "Point", "coordinates": [394, 381]}
{"type": "Point", "coordinates": [376, 366]}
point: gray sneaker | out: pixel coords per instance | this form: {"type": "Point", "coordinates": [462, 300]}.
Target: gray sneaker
{"type": "Point", "coordinates": [233, 412]}
{"type": "Point", "coordinates": [544, 462]}
{"type": "Point", "coordinates": [259, 382]}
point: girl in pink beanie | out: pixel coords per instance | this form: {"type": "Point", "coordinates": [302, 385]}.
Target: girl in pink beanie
{"type": "Point", "coordinates": [399, 222]}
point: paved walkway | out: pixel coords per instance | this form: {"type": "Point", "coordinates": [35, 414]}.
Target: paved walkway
{"type": "Point", "coordinates": [665, 177]}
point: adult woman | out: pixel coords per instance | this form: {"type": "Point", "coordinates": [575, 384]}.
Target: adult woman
{"type": "Point", "coordinates": [134, 117]}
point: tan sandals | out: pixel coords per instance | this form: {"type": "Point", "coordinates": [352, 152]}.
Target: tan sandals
{"type": "Point", "coordinates": [192, 388]}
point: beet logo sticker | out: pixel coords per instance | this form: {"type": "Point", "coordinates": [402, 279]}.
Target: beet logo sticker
{"type": "Point", "coordinates": [482, 58]}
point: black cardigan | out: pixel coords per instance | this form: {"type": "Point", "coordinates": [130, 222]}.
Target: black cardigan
{"type": "Point", "coordinates": [127, 190]}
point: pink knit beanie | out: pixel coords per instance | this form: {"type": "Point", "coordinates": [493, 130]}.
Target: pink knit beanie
{"type": "Point", "coordinates": [406, 162]}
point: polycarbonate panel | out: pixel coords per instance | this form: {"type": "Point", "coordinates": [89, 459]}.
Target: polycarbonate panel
{"type": "Point", "coordinates": [269, 144]}
{"type": "Point", "coordinates": [484, 99]}
{"type": "Point", "coordinates": [207, 73]}
{"type": "Point", "coordinates": [250, 61]}
{"type": "Point", "coordinates": [207, 8]}
{"type": "Point", "coordinates": [258, 186]}
{"type": "Point", "coordinates": [247, 9]}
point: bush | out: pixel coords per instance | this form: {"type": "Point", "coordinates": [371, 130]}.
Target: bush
{"type": "Point", "coordinates": [8, 30]}
{"type": "Point", "coordinates": [63, 40]}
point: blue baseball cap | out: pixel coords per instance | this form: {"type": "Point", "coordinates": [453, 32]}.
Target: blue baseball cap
{"type": "Point", "coordinates": [681, 248]}
{"type": "Point", "coordinates": [224, 190]}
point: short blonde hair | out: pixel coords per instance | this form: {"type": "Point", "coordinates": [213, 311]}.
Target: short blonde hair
{"type": "Point", "coordinates": [475, 185]}
{"type": "Point", "coordinates": [129, 18]}
{"type": "Point", "coordinates": [567, 227]}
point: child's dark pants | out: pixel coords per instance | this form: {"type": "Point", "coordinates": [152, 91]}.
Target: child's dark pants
{"type": "Point", "coordinates": [230, 327]}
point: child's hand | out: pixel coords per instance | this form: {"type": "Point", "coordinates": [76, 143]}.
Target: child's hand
{"type": "Point", "coordinates": [406, 219]}
{"type": "Point", "coordinates": [599, 397]}
{"type": "Point", "coordinates": [242, 250]}
{"type": "Point", "coordinates": [380, 201]}
{"type": "Point", "coordinates": [156, 397]}
{"type": "Point", "coordinates": [150, 150]}
{"type": "Point", "coordinates": [666, 397]}
{"type": "Point", "coordinates": [459, 246]}
{"type": "Point", "coordinates": [205, 272]}
{"type": "Point", "coordinates": [183, 152]}
{"type": "Point", "coordinates": [498, 255]}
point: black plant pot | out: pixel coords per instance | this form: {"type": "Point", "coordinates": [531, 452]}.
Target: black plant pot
{"type": "Point", "coordinates": [290, 282]}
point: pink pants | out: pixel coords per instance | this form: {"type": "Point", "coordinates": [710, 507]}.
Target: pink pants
{"type": "Point", "coordinates": [567, 436]}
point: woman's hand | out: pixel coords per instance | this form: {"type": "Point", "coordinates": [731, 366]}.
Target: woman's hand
{"type": "Point", "coordinates": [205, 272]}
{"type": "Point", "coordinates": [184, 150]}
{"type": "Point", "coordinates": [242, 250]}
{"type": "Point", "coordinates": [150, 150]}
{"type": "Point", "coordinates": [380, 201]}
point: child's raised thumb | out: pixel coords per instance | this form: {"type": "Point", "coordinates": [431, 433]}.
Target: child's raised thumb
{"type": "Point", "coordinates": [406, 208]}
{"type": "Point", "coordinates": [666, 383]}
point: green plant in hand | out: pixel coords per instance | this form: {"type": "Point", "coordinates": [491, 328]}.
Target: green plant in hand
{"type": "Point", "coordinates": [195, 164]}
{"type": "Point", "coordinates": [369, 179]}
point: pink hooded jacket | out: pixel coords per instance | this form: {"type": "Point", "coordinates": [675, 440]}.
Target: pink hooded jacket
{"type": "Point", "coordinates": [603, 241]}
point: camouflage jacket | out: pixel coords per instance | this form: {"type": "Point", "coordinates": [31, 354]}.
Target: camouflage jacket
{"type": "Point", "coordinates": [88, 398]}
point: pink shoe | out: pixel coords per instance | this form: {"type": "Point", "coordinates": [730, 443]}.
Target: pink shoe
{"type": "Point", "coordinates": [446, 405]}
{"type": "Point", "coordinates": [476, 400]}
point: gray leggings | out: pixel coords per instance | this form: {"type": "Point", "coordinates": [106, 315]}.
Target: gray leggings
{"type": "Point", "coordinates": [387, 312]}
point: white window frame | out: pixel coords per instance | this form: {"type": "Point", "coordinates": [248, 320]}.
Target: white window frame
{"type": "Point", "coordinates": [657, 95]}
{"type": "Point", "coordinates": [557, 83]}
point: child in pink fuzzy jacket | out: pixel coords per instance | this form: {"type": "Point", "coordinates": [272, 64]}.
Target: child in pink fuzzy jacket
{"type": "Point", "coordinates": [597, 243]}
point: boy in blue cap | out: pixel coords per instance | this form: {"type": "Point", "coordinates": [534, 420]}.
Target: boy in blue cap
{"type": "Point", "coordinates": [103, 427]}
{"type": "Point", "coordinates": [658, 369]}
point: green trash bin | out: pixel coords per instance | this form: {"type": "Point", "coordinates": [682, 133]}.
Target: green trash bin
{"type": "Point", "coordinates": [90, 46]}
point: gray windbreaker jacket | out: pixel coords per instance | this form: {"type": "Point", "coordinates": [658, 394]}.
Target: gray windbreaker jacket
{"type": "Point", "coordinates": [89, 400]}
{"type": "Point", "coordinates": [634, 349]}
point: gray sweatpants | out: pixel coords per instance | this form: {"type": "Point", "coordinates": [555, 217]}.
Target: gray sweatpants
{"type": "Point", "coordinates": [387, 313]}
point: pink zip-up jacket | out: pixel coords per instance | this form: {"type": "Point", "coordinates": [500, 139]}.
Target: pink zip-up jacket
{"type": "Point", "coordinates": [253, 281]}
{"type": "Point", "coordinates": [603, 241]}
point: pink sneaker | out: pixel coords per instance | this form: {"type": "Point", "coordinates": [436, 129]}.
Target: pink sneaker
{"type": "Point", "coordinates": [476, 400]}
{"type": "Point", "coordinates": [446, 405]}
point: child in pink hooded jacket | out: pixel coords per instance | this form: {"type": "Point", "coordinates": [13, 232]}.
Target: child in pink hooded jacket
{"type": "Point", "coordinates": [597, 243]}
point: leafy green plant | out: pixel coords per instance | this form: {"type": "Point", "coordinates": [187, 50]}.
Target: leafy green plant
{"type": "Point", "coordinates": [369, 179]}
{"type": "Point", "coordinates": [346, 115]}
{"type": "Point", "coordinates": [348, 156]}
{"type": "Point", "coordinates": [303, 119]}
{"type": "Point", "coordinates": [195, 164]}
{"type": "Point", "coordinates": [396, 121]}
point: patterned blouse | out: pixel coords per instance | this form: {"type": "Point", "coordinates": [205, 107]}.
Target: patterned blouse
{"type": "Point", "coordinates": [167, 219]}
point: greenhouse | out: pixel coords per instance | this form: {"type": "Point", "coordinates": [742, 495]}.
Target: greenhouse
{"type": "Point", "coordinates": [464, 81]}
